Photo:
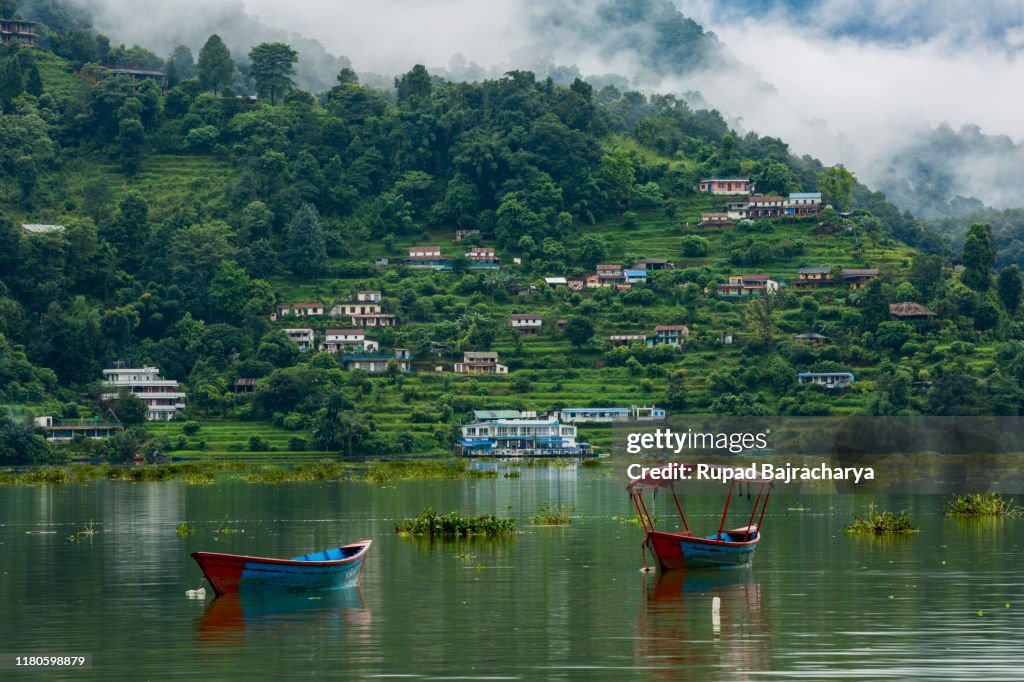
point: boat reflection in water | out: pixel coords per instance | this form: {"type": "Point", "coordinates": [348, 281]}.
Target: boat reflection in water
{"type": "Point", "coordinates": [230, 618]}
{"type": "Point", "coordinates": [679, 630]}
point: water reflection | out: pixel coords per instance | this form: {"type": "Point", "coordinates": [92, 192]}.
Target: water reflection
{"type": "Point", "coordinates": [677, 627]}
{"type": "Point", "coordinates": [230, 619]}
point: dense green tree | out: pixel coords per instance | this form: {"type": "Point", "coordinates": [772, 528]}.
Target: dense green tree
{"type": "Point", "coordinates": [19, 444]}
{"type": "Point", "coordinates": [676, 394]}
{"type": "Point", "coordinates": [1010, 288]}
{"type": "Point", "coordinates": [836, 186]}
{"type": "Point", "coordinates": [306, 247]}
{"type": "Point", "coordinates": [978, 257]}
{"type": "Point", "coordinates": [272, 66]}
{"type": "Point", "coordinates": [215, 69]}
{"type": "Point", "coordinates": [874, 306]}
{"type": "Point", "coordinates": [129, 408]}
{"type": "Point", "coordinates": [182, 63]}
{"type": "Point", "coordinates": [579, 331]}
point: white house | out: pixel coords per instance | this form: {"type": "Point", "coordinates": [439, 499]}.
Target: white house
{"type": "Point", "coordinates": [162, 397]}
{"type": "Point", "coordinates": [480, 362]}
{"type": "Point", "coordinates": [543, 437]}
{"type": "Point", "coordinates": [347, 340]}
{"type": "Point", "coordinates": [527, 323]}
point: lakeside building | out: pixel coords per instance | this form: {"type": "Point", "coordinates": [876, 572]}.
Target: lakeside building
{"type": "Point", "coordinates": [480, 362]}
{"type": "Point", "coordinates": [347, 341]}
{"type": "Point", "coordinates": [66, 430]}
{"type": "Point", "coordinates": [162, 397]}
{"type": "Point", "coordinates": [606, 415]}
{"type": "Point", "coordinates": [521, 437]}
{"type": "Point", "coordinates": [831, 380]}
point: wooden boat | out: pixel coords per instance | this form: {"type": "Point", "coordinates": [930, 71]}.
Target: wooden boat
{"type": "Point", "coordinates": [331, 569]}
{"type": "Point", "coordinates": [683, 549]}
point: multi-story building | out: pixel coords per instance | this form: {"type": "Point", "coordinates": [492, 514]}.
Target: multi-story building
{"type": "Point", "coordinates": [601, 415]}
{"type": "Point", "coordinates": [66, 430]}
{"type": "Point", "coordinates": [532, 437]}
{"type": "Point", "coordinates": [726, 186]}
{"type": "Point", "coordinates": [813, 278]}
{"type": "Point", "coordinates": [672, 334]}
{"type": "Point", "coordinates": [746, 286]}
{"type": "Point", "coordinates": [18, 31]}
{"type": "Point", "coordinates": [162, 397]}
{"type": "Point", "coordinates": [427, 257]}
{"type": "Point", "coordinates": [483, 258]}
{"type": "Point", "coordinates": [527, 323]}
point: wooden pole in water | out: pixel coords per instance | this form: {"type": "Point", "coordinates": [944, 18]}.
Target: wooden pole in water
{"type": "Point", "coordinates": [725, 511]}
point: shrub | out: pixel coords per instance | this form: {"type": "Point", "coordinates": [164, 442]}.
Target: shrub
{"type": "Point", "coordinates": [296, 443]}
{"type": "Point", "coordinates": [980, 504]}
{"type": "Point", "coordinates": [881, 523]}
{"type": "Point", "coordinates": [190, 428]}
{"type": "Point", "coordinates": [452, 525]}
{"type": "Point", "coordinates": [257, 444]}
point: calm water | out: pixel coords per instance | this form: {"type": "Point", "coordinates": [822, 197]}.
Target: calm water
{"type": "Point", "coordinates": [554, 603]}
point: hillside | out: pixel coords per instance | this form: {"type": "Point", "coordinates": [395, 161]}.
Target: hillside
{"type": "Point", "coordinates": [189, 217]}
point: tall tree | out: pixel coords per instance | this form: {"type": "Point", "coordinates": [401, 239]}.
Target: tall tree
{"type": "Point", "coordinates": [1010, 288]}
{"type": "Point", "coordinates": [836, 187]}
{"type": "Point", "coordinates": [272, 66]}
{"type": "Point", "coordinates": [183, 62]}
{"type": "Point", "coordinates": [978, 257]}
{"type": "Point", "coordinates": [215, 68]}
{"type": "Point", "coordinates": [306, 252]}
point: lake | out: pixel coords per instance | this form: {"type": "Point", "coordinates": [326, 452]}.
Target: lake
{"type": "Point", "coordinates": [566, 602]}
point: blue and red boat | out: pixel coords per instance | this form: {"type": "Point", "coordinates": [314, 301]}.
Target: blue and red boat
{"type": "Point", "coordinates": [683, 549]}
{"type": "Point", "coordinates": [331, 569]}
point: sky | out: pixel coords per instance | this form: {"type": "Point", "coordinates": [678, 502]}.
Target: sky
{"type": "Point", "coordinates": [854, 78]}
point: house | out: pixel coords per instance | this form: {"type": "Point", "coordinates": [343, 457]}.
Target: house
{"type": "Point", "coordinates": [725, 338]}
{"type": "Point", "coordinates": [764, 207]}
{"type": "Point", "coordinates": [803, 204]}
{"type": "Point", "coordinates": [461, 234]}
{"type": "Point", "coordinates": [813, 278]}
{"type": "Point", "coordinates": [347, 341]}
{"type": "Point", "coordinates": [368, 296]}
{"type": "Point", "coordinates": [358, 308]}
{"type": "Point", "coordinates": [653, 264]}
{"type": "Point", "coordinates": [831, 380]}
{"type": "Point", "coordinates": [576, 284]}
{"type": "Point", "coordinates": [521, 437]}
{"type": "Point", "coordinates": [162, 397]}
{"type": "Point", "coordinates": [726, 186]}
{"type": "Point", "coordinates": [376, 364]}
{"type": "Point", "coordinates": [908, 311]}
{"type": "Point", "coordinates": [812, 339]}
{"type": "Point", "coordinates": [671, 334]}
{"type": "Point", "coordinates": [626, 339]}
{"type": "Point", "coordinates": [427, 257]}
{"type": "Point", "coordinates": [66, 430]}
{"type": "Point", "coordinates": [373, 320]}
{"type": "Point", "coordinates": [381, 262]}
{"type": "Point", "coordinates": [298, 310]}
{"type": "Point", "coordinates": [527, 323]}
{"type": "Point", "coordinates": [35, 228]}
{"type": "Point", "coordinates": [715, 220]}
{"type": "Point", "coordinates": [858, 278]}
{"type": "Point", "coordinates": [243, 385]}
{"type": "Point", "coordinates": [635, 276]}
{"type": "Point", "coordinates": [303, 338]}
{"type": "Point", "coordinates": [489, 415]}
{"type": "Point", "coordinates": [606, 415]}
{"type": "Point", "coordinates": [556, 282]}
{"type": "Point", "coordinates": [18, 31]}
{"type": "Point", "coordinates": [137, 74]}
{"type": "Point", "coordinates": [480, 362]}
{"type": "Point", "coordinates": [608, 275]}
{"type": "Point", "coordinates": [747, 286]}
{"type": "Point", "coordinates": [483, 258]}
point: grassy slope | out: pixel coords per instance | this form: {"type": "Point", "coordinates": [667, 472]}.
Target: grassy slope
{"type": "Point", "coordinates": [558, 374]}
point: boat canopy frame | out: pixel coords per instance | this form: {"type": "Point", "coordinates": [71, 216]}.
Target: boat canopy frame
{"type": "Point", "coordinates": [638, 486]}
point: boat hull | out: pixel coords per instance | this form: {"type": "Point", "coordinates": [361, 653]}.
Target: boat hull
{"type": "Point", "coordinates": [235, 573]}
{"type": "Point", "coordinates": [676, 551]}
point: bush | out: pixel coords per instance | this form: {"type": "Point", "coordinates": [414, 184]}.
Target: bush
{"type": "Point", "coordinates": [884, 523]}
{"type": "Point", "coordinates": [296, 443]}
{"type": "Point", "coordinates": [257, 444]}
{"type": "Point", "coordinates": [431, 524]}
{"type": "Point", "coordinates": [981, 504]}
{"type": "Point", "coordinates": [190, 428]}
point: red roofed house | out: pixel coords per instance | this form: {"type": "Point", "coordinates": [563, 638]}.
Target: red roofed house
{"type": "Point", "coordinates": [672, 334]}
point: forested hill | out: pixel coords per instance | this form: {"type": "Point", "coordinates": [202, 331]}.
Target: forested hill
{"type": "Point", "coordinates": [187, 215]}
